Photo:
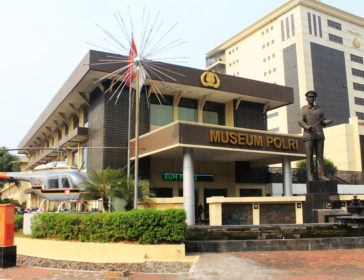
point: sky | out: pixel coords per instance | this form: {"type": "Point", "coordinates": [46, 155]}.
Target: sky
{"type": "Point", "coordinates": [42, 42]}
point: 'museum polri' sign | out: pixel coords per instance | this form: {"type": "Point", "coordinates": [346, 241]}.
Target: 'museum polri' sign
{"type": "Point", "coordinates": [246, 139]}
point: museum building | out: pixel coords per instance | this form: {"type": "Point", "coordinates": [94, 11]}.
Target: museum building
{"type": "Point", "coordinates": [209, 128]}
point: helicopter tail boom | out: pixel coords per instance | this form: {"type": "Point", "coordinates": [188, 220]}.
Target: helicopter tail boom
{"type": "Point", "coordinates": [15, 175]}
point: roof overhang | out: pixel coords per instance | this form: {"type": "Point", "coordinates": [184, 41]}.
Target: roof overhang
{"type": "Point", "coordinates": [182, 80]}
{"type": "Point", "coordinates": [219, 143]}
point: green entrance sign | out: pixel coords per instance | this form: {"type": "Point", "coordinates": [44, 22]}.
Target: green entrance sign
{"type": "Point", "coordinates": [179, 177]}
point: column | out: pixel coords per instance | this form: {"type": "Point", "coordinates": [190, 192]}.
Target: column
{"type": "Point", "coordinates": [287, 177]}
{"type": "Point", "coordinates": [189, 185]}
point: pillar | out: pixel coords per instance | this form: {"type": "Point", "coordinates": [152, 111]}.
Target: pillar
{"type": "Point", "coordinates": [287, 177]}
{"type": "Point", "coordinates": [189, 185]}
{"type": "Point", "coordinates": [7, 248]}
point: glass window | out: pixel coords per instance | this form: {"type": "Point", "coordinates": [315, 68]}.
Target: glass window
{"type": "Point", "coordinates": [358, 86]}
{"type": "Point", "coordinates": [75, 121]}
{"type": "Point", "coordinates": [214, 113]}
{"type": "Point", "coordinates": [161, 111]}
{"type": "Point", "coordinates": [52, 183]}
{"type": "Point", "coordinates": [314, 25]}
{"type": "Point", "coordinates": [334, 24]}
{"type": "Point", "coordinates": [319, 25]}
{"type": "Point", "coordinates": [65, 129]}
{"type": "Point", "coordinates": [282, 30]}
{"type": "Point", "coordinates": [75, 158]}
{"type": "Point", "coordinates": [85, 117]}
{"type": "Point", "coordinates": [359, 101]}
{"type": "Point", "coordinates": [59, 134]}
{"type": "Point", "coordinates": [357, 72]}
{"type": "Point", "coordinates": [360, 115]}
{"type": "Point", "coordinates": [309, 23]}
{"type": "Point", "coordinates": [65, 183]}
{"type": "Point", "coordinates": [335, 39]}
{"type": "Point", "coordinates": [187, 110]}
{"type": "Point", "coordinates": [292, 25]}
{"type": "Point", "coordinates": [287, 28]}
{"type": "Point", "coordinates": [356, 58]}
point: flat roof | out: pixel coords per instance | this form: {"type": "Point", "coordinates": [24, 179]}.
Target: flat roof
{"type": "Point", "coordinates": [187, 82]}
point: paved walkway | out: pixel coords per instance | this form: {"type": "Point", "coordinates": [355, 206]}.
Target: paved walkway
{"type": "Point", "coordinates": [327, 264]}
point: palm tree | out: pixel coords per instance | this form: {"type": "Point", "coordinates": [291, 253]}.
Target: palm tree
{"type": "Point", "coordinates": [125, 190]}
{"type": "Point", "coordinates": [99, 184]}
{"type": "Point", "coordinates": [113, 182]}
{"type": "Point", "coordinates": [8, 163]}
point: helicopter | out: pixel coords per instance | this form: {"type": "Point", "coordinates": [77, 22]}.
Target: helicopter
{"type": "Point", "coordinates": [52, 181]}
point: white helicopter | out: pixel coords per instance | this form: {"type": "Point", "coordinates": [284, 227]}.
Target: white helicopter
{"type": "Point", "coordinates": [52, 181]}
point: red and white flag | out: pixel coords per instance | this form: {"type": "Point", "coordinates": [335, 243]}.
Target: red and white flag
{"type": "Point", "coordinates": [131, 72]}
{"type": "Point", "coordinates": [131, 69]}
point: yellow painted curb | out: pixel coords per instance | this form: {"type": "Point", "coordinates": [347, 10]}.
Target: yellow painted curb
{"type": "Point", "coordinates": [101, 252]}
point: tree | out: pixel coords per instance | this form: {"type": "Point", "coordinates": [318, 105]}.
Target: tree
{"type": "Point", "coordinates": [300, 174]}
{"type": "Point", "coordinates": [113, 182]}
{"type": "Point", "coordinates": [8, 163]}
{"type": "Point", "coordinates": [125, 190]}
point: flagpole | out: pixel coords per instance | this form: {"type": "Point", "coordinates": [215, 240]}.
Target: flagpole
{"type": "Point", "coordinates": [129, 136]}
{"type": "Point", "coordinates": [136, 160]}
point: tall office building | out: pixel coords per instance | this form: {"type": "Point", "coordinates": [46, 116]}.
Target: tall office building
{"type": "Point", "coordinates": [304, 44]}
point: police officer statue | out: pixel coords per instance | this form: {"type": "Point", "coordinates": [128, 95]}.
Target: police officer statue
{"type": "Point", "coordinates": [312, 120]}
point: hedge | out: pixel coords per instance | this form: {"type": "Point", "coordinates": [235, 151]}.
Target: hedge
{"type": "Point", "coordinates": [18, 222]}
{"type": "Point", "coordinates": [143, 226]}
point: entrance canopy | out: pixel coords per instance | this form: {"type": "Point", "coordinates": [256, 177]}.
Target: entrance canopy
{"type": "Point", "coordinates": [220, 143]}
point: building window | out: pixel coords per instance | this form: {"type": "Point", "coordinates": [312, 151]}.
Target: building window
{"type": "Point", "coordinates": [359, 101]}
{"type": "Point", "coordinates": [309, 23]}
{"type": "Point", "coordinates": [214, 113]}
{"type": "Point", "coordinates": [187, 110]}
{"type": "Point", "coordinates": [75, 158]}
{"type": "Point", "coordinates": [262, 32]}
{"type": "Point", "coordinates": [85, 117]}
{"type": "Point", "coordinates": [161, 113]}
{"type": "Point", "coordinates": [287, 27]}
{"type": "Point", "coordinates": [358, 86]}
{"type": "Point", "coordinates": [263, 46]}
{"type": "Point", "coordinates": [272, 42]}
{"type": "Point", "coordinates": [275, 114]}
{"type": "Point", "coordinates": [334, 24]}
{"type": "Point", "coordinates": [357, 72]}
{"type": "Point", "coordinates": [65, 129]}
{"type": "Point", "coordinates": [356, 58]}
{"type": "Point", "coordinates": [264, 59]}
{"type": "Point", "coordinates": [271, 28]}
{"type": "Point", "coordinates": [265, 73]}
{"type": "Point", "coordinates": [292, 25]}
{"type": "Point", "coordinates": [274, 69]}
{"type": "Point", "coordinates": [282, 29]}
{"type": "Point", "coordinates": [59, 134]}
{"type": "Point", "coordinates": [314, 25]}
{"type": "Point", "coordinates": [360, 116]}
{"type": "Point", "coordinates": [335, 39]}
{"type": "Point", "coordinates": [75, 121]}
{"type": "Point", "coordinates": [273, 55]}
{"type": "Point", "coordinates": [319, 25]}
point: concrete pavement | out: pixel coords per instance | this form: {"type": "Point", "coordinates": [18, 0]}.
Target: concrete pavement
{"type": "Point", "coordinates": [325, 264]}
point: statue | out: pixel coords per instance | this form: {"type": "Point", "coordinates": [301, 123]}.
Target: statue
{"type": "Point", "coordinates": [312, 120]}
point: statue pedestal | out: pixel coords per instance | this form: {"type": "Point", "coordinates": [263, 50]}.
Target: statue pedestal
{"type": "Point", "coordinates": [318, 194]}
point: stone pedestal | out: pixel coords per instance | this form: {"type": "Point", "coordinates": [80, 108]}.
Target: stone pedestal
{"type": "Point", "coordinates": [7, 256]}
{"type": "Point", "coordinates": [318, 194]}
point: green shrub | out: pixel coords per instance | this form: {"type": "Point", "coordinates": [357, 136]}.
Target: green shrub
{"type": "Point", "coordinates": [18, 222]}
{"type": "Point", "coordinates": [143, 226]}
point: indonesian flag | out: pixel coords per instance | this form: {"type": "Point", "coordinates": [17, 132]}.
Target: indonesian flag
{"type": "Point", "coordinates": [132, 54]}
